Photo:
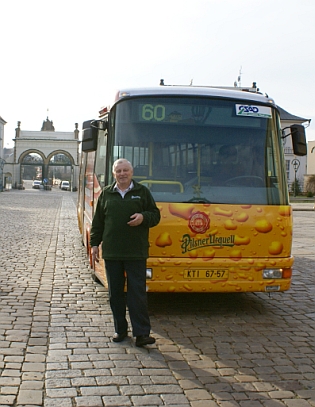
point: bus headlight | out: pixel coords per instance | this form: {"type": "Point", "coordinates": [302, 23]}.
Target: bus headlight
{"type": "Point", "coordinates": [273, 273]}
{"type": "Point", "coordinates": [149, 274]}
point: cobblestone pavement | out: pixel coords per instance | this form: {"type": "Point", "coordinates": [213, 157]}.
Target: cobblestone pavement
{"type": "Point", "coordinates": [212, 349]}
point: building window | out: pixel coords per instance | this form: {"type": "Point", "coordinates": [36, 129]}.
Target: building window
{"type": "Point", "coordinates": [287, 168]}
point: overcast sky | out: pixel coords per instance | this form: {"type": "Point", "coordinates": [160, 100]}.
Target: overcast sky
{"type": "Point", "coordinates": [65, 58]}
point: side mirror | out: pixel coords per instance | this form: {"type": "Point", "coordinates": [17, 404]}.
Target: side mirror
{"type": "Point", "coordinates": [89, 136]}
{"type": "Point", "coordinates": [298, 139]}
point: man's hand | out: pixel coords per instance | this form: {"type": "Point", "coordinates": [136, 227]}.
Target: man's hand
{"type": "Point", "coordinates": [136, 219]}
{"type": "Point", "coordinates": [95, 255]}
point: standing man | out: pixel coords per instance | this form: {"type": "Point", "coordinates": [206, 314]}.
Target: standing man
{"type": "Point", "coordinates": [125, 211]}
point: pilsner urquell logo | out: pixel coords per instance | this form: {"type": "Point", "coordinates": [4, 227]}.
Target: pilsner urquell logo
{"type": "Point", "coordinates": [190, 243]}
{"type": "Point", "coordinates": [199, 222]}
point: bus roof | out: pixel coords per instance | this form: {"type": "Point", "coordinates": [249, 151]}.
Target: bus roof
{"type": "Point", "coordinates": [230, 93]}
{"type": "Point", "coordinates": [243, 94]}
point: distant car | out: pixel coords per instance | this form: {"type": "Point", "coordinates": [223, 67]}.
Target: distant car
{"type": "Point", "coordinates": [36, 184]}
{"type": "Point", "coordinates": [65, 185]}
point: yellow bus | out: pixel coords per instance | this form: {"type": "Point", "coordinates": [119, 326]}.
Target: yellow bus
{"type": "Point", "coordinates": [213, 161]}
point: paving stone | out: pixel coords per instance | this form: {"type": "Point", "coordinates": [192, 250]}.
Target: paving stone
{"type": "Point", "coordinates": [297, 403]}
{"type": "Point", "coordinates": [116, 401]}
{"type": "Point", "coordinates": [58, 402]}
{"type": "Point", "coordinates": [281, 394]}
{"type": "Point", "coordinates": [63, 392]}
{"type": "Point", "coordinates": [35, 358]}
{"type": "Point", "coordinates": [7, 400]}
{"type": "Point", "coordinates": [210, 403]}
{"type": "Point", "coordinates": [90, 401]}
{"type": "Point", "coordinates": [33, 367]}
{"type": "Point", "coordinates": [9, 381]}
{"type": "Point", "coordinates": [147, 400]}
{"type": "Point", "coordinates": [9, 390]}
{"type": "Point", "coordinates": [31, 385]}
{"type": "Point", "coordinates": [30, 397]}
{"type": "Point", "coordinates": [32, 376]}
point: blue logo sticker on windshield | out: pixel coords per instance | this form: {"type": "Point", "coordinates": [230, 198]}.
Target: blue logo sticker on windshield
{"type": "Point", "coordinates": [253, 111]}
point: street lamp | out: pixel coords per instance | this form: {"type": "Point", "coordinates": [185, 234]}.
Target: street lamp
{"type": "Point", "coordinates": [2, 162]}
{"type": "Point", "coordinates": [296, 165]}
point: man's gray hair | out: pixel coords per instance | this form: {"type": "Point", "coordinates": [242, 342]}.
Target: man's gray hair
{"type": "Point", "coordinates": [121, 161]}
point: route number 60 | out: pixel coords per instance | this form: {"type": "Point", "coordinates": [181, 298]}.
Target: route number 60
{"type": "Point", "coordinates": [150, 112]}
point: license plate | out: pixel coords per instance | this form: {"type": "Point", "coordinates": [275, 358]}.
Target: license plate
{"type": "Point", "coordinates": [207, 274]}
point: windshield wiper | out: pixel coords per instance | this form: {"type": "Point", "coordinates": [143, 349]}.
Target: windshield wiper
{"type": "Point", "coordinates": [197, 200]}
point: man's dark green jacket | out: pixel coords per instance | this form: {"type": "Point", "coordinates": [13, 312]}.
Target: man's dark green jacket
{"type": "Point", "coordinates": [121, 241]}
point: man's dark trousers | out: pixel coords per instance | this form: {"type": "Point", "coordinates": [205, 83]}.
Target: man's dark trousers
{"type": "Point", "coordinates": [136, 295]}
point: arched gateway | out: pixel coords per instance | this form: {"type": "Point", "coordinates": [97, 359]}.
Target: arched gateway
{"type": "Point", "coordinates": [45, 155]}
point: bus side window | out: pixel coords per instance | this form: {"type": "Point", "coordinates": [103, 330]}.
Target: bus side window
{"type": "Point", "coordinates": [100, 159]}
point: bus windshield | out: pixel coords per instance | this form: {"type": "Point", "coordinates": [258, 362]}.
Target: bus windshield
{"type": "Point", "coordinates": [197, 149]}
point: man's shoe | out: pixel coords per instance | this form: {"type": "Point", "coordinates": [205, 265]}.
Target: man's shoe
{"type": "Point", "coordinates": [119, 337]}
{"type": "Point", "coordinates": [144, 340]}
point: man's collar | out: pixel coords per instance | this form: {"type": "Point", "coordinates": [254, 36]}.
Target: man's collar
{"type": "Point", "coordinates": [116, 187]}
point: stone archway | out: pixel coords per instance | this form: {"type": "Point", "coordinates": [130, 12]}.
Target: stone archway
{"type": "Point", "coordinates": [38, 154]}
{"type": "Point", "coordinates": [31, 165]}
{"type": "Point", "coordinates": [59, 167]}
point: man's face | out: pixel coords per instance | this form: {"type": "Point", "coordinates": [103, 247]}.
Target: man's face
{"type": "Point", "coordinates": [123, 175]}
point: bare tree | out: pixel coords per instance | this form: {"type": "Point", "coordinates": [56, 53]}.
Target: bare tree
{"type": "Point", "coordinates": [310, 184]}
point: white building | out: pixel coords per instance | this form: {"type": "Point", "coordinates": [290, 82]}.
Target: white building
{"type": "Point", "coordinates": [2, 161]}
{"type": "Point", "coordinates": [311, 158]}
{"type": "Point", "coordinates": [2, 124]}
{"type": "Point", "coordinates": [37, 154]}
{"type": "Point", "coordinates": [296, 166]}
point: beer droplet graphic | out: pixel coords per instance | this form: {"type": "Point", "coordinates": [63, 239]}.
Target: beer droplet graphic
{"type": "Point", "coordinates": [181, 210]}
{"type": "Point", "coordinates": [275, 248]}
{"type": "Point", "coordinates": [263, 226]}
{"type": "Point", "coordinates": [163, 240]}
